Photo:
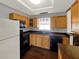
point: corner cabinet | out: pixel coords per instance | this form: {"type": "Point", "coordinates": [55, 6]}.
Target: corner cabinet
{"type": "Point", "coordinates": [40, 40]}
{"type": "Point", "coordinates": [58, 22]}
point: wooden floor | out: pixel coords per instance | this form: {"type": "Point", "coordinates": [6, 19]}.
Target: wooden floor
{"type": "Point", "coordinates": [38, 53]}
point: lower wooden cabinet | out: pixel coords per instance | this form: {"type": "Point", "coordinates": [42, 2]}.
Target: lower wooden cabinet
{"type": "Point", "coordinates": [40, 40]}
{"type": "Point", "coordinates": [46, 42]}
{"type": "Point", "coordinates": [65, 40]}
{"type": "Point", "coordinates": [32, 42]}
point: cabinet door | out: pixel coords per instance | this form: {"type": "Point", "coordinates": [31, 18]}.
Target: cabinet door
{"type": "Point", "coordinates": [46, 42]}
{"type": "Point", "coordinates": [33, 39]}
{"type": "Point", "coordinates": [78, 10]}
{"type": "Point", "coordinates": [53, 22]}
{"type": "Point", "coordinates": [13, 16]}
{"type": "Point", "coordinates": [38, 41]}
{"type": "Point", "coordinates": [61, 22]}
{"type": "Point", "coordinates": [16, 16]}
{"type": "Point", "coordinates": [75, 20]}
{"type": "Point", "coordinates": [27, 23]}
{"type": "Point", "coordinates": [74, 12]}
{"type": "Point", "coordinates": [35, 22]}
{"type": "Point", "coordinates": [65, 40]}
{"type": "Point", "coordinates": [10, 48]}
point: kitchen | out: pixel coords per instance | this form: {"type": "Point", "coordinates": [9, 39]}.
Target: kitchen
{"type": "Point", "coordinates": [43, 35]}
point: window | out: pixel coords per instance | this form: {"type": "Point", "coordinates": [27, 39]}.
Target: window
{"type": "Point", "coordinates": [44, 23]}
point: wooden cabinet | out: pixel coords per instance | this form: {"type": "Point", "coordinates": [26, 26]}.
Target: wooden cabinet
{"type": "Point", "coordinates": [53, 22]}
{"type": "Point", "coordinates": [27, 20]}
{"type": "Point", "coordinates": [15, 16]}
{"type": "Point", "coordinates": [59, 22]}
{"type": "Point", "coordinates": [78, 10]}
{"type": "Point", "coordinates": [40, 40]}
{"type": "Point", "coordinates": [35, 23]}
{"type": "Point", "coordinates": [46, 42]}
{"type": "Point", "coordinates": [65, 40]}
{"type": "Point", "coordinates": [75, 16]}
{"type": "Point", "coordinates": [74, 13]}
{"type": "Point", "coordinates": [33, 39]}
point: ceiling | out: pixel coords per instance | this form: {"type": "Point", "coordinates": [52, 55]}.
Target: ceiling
{"type": "Point", "coordinates": [50, 6]}
{"type": "Point", "coordinates": [44, 4]}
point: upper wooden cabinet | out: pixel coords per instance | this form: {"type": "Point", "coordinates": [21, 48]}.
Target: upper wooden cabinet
{"type": "Point", "coordinates": [27, 22]}
{"type": "Point", "coordinates": [53, 22]}
{"type": "Point", "coordinates": [15, 16]}
{"type": "Point", "coordinates": [75, 16]}
{"type": "Point", "coordinates": [78, 9]}
{"type": "Point", "coordinates": [61, 22]}
{"type": "Point", "coordinates": [58, 22]}
{"type": "Point", "coordinates": [74, 13]}
{"type": "Point", "coordinates": [35, 23]}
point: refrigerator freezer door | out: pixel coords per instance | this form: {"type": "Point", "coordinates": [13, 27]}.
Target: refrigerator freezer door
{"type": "Point", "coordinates": [8, 28]}
{"type": "Point", "coordinates": [10, 48]}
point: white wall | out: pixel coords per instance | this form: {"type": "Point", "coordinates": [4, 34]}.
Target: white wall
{"type": "Point", "coordinates": [5, 10]}
{"type": "Point", "coordinates": [69, 21]}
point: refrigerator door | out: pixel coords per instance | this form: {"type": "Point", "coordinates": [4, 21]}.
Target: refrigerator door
{"type": "Point", "coordinates": [8, 28]}
{"type": "Point", "coordinates": [10, 48]}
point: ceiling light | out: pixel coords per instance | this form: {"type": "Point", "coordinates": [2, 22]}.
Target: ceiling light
{"type": "Point", "coordinates": [35, 1]}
